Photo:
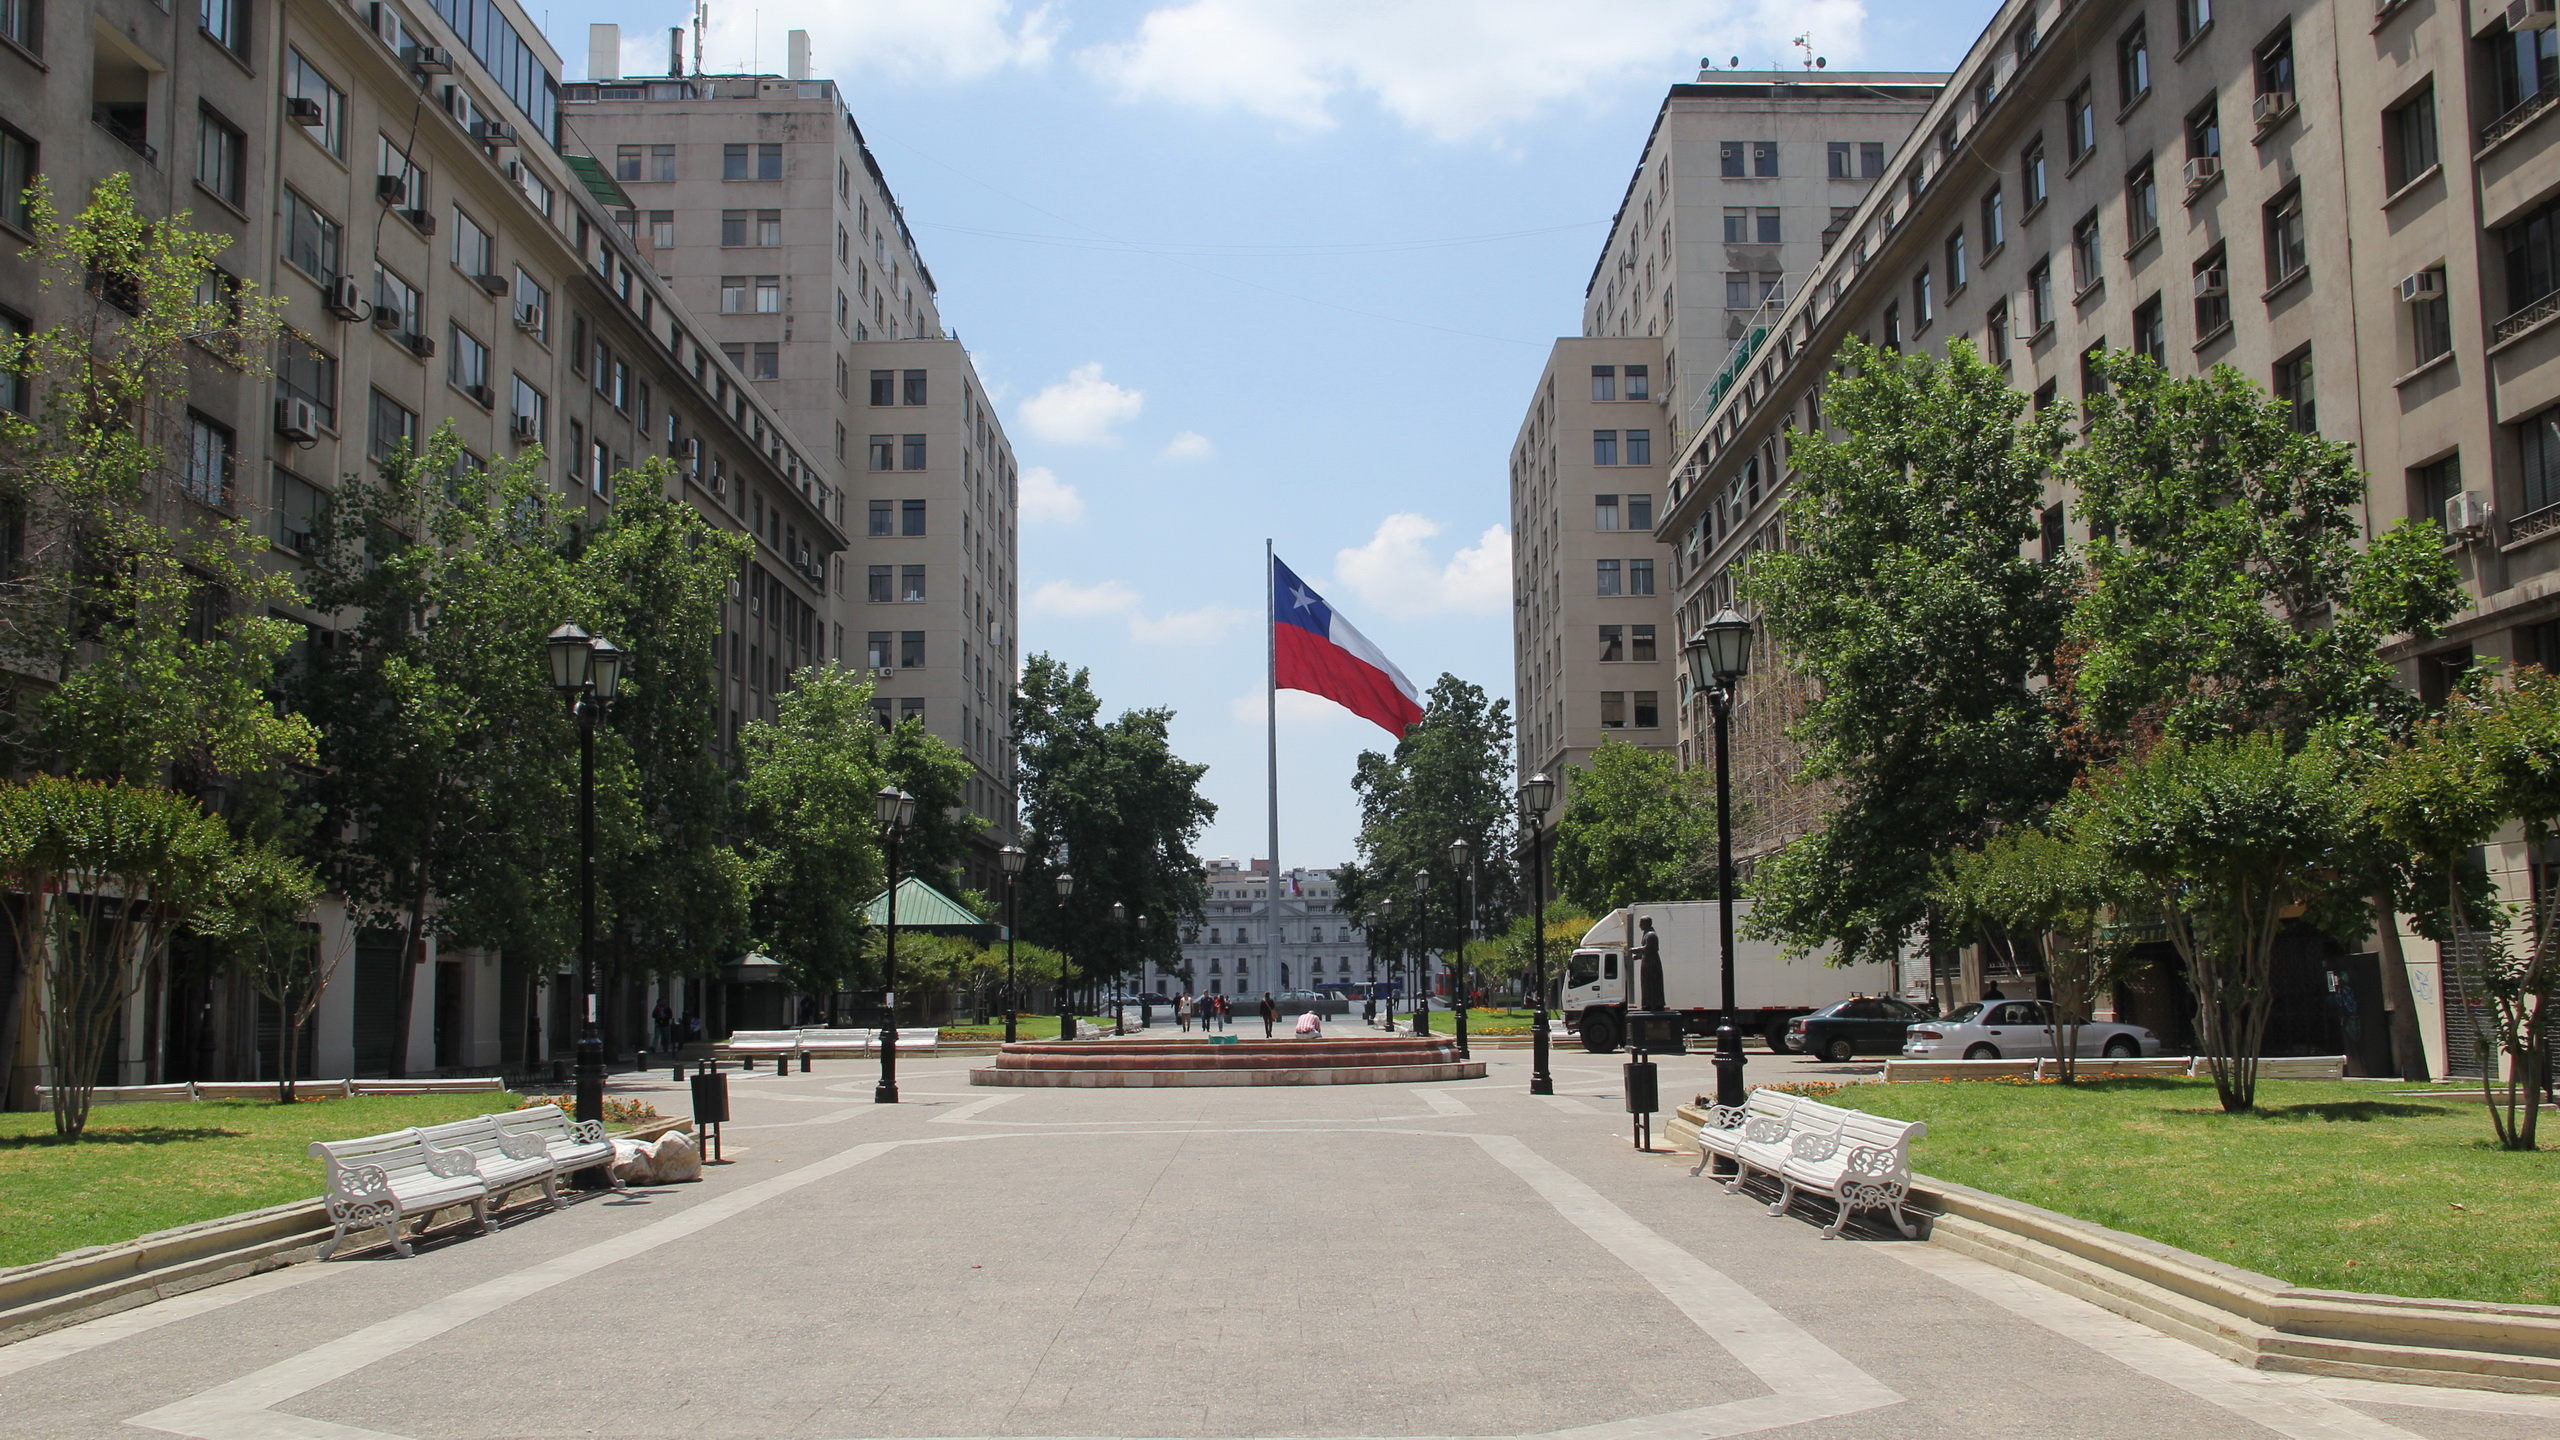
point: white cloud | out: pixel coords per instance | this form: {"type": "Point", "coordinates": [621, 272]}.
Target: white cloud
{"type": "Point", "coordinates": [1452, 69]}
{"type": "Point", "coordinates": [1298, 709]}
{"type": "Point", "coordinates": [1048, 500]}
{"type": "Point", "coordinates": [944, 40]}
{"type": "Point", "coordinates": [1396, 574]}
{"type": "Point", "coordinates": [1203, 626]}
{"type": "Point", "coordinates": [1189, 445]}
{"type": "Point", "coordinates": [1081, 409]}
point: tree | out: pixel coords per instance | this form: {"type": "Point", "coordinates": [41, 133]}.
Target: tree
{"type": "Point", "coordinates": [288, 960]}
{"type": "Point", "coordinates": [812, 851]}
{"type": "Point", "coordinates": [2232, 587]}
{"type": "Point", "coordinates": [934, 771]}
{"type": "Point", "coordinates": [1111, 802]}
{"type": "Point", "coordinates": [2224, 839]}
{"type": "Point", "coordinates": [1449, 778]}
{"type": "Point", "coordinates": [2489, 761]}
{"type": "Point", "coordinates": [1637, 828]}
{"type": "Point", "coordinates": [2055, 886]}
{"type": "Point", "coordinates": [1908, 596]}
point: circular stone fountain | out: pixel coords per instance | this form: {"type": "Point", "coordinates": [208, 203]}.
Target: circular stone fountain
{"type": "Point", "coordinates": [1148, 1064]}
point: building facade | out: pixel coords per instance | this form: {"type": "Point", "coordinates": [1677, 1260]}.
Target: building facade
{"type": "Point", "coordinates": [2354, 205]}
{"type": "Point", "coordinates": [757, 200]}
{"type": "Point", "coordinates": [1229, 952]}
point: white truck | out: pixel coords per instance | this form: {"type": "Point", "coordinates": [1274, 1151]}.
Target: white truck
{"type": "Point", "coordinates": [1769, 989]}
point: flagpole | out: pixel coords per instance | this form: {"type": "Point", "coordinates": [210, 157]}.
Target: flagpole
{"type": "Point", "coordinates": [1271, 724]}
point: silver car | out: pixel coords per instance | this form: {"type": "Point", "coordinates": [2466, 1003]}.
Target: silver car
{"type": "Point", "coordinates": [2017, 1030]}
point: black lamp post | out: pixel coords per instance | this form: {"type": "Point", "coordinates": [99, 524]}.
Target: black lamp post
{"type": "Point", "coordinates": [1146, 1012]}
{"type": "Point", "coordinates": [586, 670]}
{"type": "Point", "coordinates": [1459, 856]}
{"type": "Point", "coordinates": [1537, 793]}
{"type": "Point", "coordinates": [1422, 952]}
{"type": "Point", "coordinates": [1012, 857]}
{"type": "Point", "coordinates": [1386, 914]}
{"type": "Point", "coordinates": [1066, 998]}
{"type": "Point", "coordinates": [1719, 655]}
{"type": "Point", "coordinates": [897, 811]}
{"type": "Point", "coordinates": [1120, 1002]}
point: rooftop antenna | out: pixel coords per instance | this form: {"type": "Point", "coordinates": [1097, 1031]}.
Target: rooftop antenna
{"type": "Point", "coordinates": [701, 22]}
{"type": "Point", "coordinates": [1805, 44]}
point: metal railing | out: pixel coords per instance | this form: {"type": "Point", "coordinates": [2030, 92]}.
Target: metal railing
{"type": "Point", "coordinates": [2517, 118]}
{"type": "Point", "coordinates": [2525, 319]}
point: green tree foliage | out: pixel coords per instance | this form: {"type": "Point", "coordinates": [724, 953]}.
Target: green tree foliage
{"type": "Point", "coordinates": [107, 876]}
{"type": "Point", "coordinates": [1449, 778]}
{"type": "Point", "coordinates": [812, 856]}
{"type": "Point", "coordinates": [1637, 828]}
{"type": "Point", "coordinates": [1110, 802]}
{"type": "Point", "coordinates": [2223, 838]}
{"type": "Point", "coordinates": [934, 771]}
{"type": "Point", "coordinates": [1909, 597]}
{"type": "Point", "coordinates": [2489, 761]}
{"type": "Point", "coordinates": [2055, 886]}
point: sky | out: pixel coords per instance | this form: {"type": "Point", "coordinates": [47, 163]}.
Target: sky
{"type": "Point", "coordinates": [1247, 269]}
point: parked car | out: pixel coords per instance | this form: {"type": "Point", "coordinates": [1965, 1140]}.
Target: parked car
{"type": "Point", "coordinates": [2017, 1030]}
{"type": "Point", "coordinates": [1846, 1029]}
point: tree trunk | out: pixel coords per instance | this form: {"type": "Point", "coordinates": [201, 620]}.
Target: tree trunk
{"type": "Point", "coordinates": [2408, 1047]}
{"type": "Point", "coordinates": [13, 990]}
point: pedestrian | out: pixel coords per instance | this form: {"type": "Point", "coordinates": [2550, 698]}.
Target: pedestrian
{"type": "Point", "coordinates": [1991, 991]}
{"type": "Point", "coordinates": [661, 1022]}
{"type": "Point", "coordinates": [1182, 1011]}
{"type": "Point", "coordinates": [1226, 1013]}
{"type": "Point", "coordinates": [1369, 1009]}
{"type": "Point", "coordinates": [1270, 1014]}
{"type": "Point", "coordinates": [1310, 1026]}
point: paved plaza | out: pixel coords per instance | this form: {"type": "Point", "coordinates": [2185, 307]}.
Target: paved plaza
{"type": "Point", "coordinates": [1459, 1259]}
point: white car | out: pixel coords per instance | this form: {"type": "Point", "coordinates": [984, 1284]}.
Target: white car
{"type": "Point", "coordinates": [2017, 1030]}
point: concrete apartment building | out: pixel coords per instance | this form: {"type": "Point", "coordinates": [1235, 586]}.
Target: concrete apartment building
{"type": "Point", "coordinates": [1738, 191]}
{"type": "Point", "coordinates": [757, 200]}
{"type": "Point", "coordinates": [2353, 204]}
{"type": "Point", "coordinates": [1228, 952]}
{"type": "Point", "coordinates": [393, 173]}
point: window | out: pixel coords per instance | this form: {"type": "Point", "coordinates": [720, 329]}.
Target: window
{"type": "Point", "coordinates": [528, 405]}
{"type": "Point", "coordinates": [1729, 159]}
{"type": "Point", "coordinates": [474, 252]}
{"type": "Point", "coordinates": [1640, 644]}
{"type": "Point", "coordinates": [911, 517]}
{"type": "Point", "coordinates": [2433, 486]}
{"type": "Point", "coordinates": [2080, 123]}
{"type": "Point", "coordinates": [467, 362]}
{"type": "Point", "coordinates": [1737, 224]}
{"type": "Point", "coordinates": [1764, 158]}
{"type": "Point", "coordinates": [911, 452]}
{"type": "Point", "coordinates": [768, 228]}
{"type": "Point", "coordinates": [2151, 332]}
{"type": "Point", "coordinates": [1604, 447]}
{"type": "Point", "coordinates": [1956, 275]}
{"type": "Point", "coordinates": [2287, 255]}
{"type": "Point", "coordinates": [306, 372]}
{"type": "Point", "coordinates": [533, 306]}
{"type": "Point", "coordinates": [1765, 228]}
{"type": "Point", "coordinates": [2293, 386]}
{"type": "Point", "coordinates": [395, 429]}
{"type": "Point", "coordinates": [1604, 512]}
{"type": "Point", "coordinates": [221, 155]}
{"type": "Point", "coordinates": [2409, 139]}
{"type": "Point", "coordinates": [1870, 160]}
{"type": "Point", "coordinates": [1613, 709]}
{"type": "Point", "coordinates": [1639, 447]}
{"type": "Point", "coordinates": [1995, 222]}
{"type": "Point", "coordinates": [768, 162]}
{"type": "Point", "coordinates": [878, 582]}
{"type": "Point", "coordinates": [225, 22]}
{"type": "Point", "coordinates": [20, 21]}
{"type": "Point", "coordinates": [768, 294]}
{"type": "Point", "coordinates": [2275, 63]}
{"type": "Point", "coordinates": [1613, 643]}
{"type": "Point", "coordinates": [662, 162]}
{"type": "Point", "coordinates": [2431, 323]}
{"type": "Point", "coordinates": [1924, 308]}
{"type": "Point", "coordinates": [884, 387]}
{"type": "Point", "coordinates": [911, 582]}
{"type": "Point", "coordinates": [535, 189]}
{"type": "Point", "coordinates": [2049, 532]}
{"type": "Point", "coordinates": [911, 649]}
{"type": "Point", "coordinates": [2088, 261]}
{"type": "Point", "coordinates": [2141, 204]}
{"type": "Point", "coordinates": [2040, 295]}
{"type": "Point", "coordinates": [733, 162]}
{"type": "Point", "coordinates": [2204, 132]}
{"type": "Point", "coordinates": [2133, 63]}
{"type": "Point", "coordinates": [628, 161]}
{"type": "Point", "coordinates": [1639, 577]}
{"type": "Point", "coordinates": [2538, 446]}
{"type": "Point", "coordinates": [1639, 383]}
{"type": "Point", "coordinates": [1607, 578]}
{"type": "Point", "coordinates": [310, 239]}
{"type": "Point", "coordinates": [1995, 333]}
{"type": "Point", "coordinates": [884, 452]}
{"type": "Point", "coordinates": [392, 164]}
{"type": "Point", "coordinates": [1839, 163]}
{"type": "Point", "coordinates": [17, 171]}
{"type": "Point", "coordinates": [768, 361]}
{"type": "Point", "coordinates": [733, 228]}
{"type": "Point", "coordinates": [1737, 289]}
{"type": "Point", "coordinates": [2213, 295]}
{"type": "Point", "coordinates": [2525, 65]}
{"type": "Point", "coordinates": [2093, 381]}
{"type": "Point", "coordinates": [2193, 17]}
{"type": "Point", "coordinates": [1893, 326]}
{"type": "Point", "coordinates": [397, 298]}
{"type": "Point", "coordinates": [883, 518]}
{"type": "Point", "coordinates": [2031, 175]}
{"type": "Point", "coordinates": [911, 391]}
{"type": "Point", "coordinates": [662, 231]}
{"type": "Point", "coordinates": [1648, 708]}
{"type": "Point", "coordinates": [206, 473]}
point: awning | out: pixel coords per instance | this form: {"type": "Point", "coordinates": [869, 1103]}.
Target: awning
{"type": "Point", "coordinates": [921, 907]}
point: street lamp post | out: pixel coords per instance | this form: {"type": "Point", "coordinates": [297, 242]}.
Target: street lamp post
{"type": "Point", "coordinates": [1120, 1002]}
{"type": "Point", "coordinates": [897, 811]}
{"type": "Point", "coordinates": [1012, 857]}
{"type": "Point", "coordinates": [1386, 913]}
{"type": "Point", "coordinates": [586, 670]}
{"type": "Point", "coordinates": [1536, 794]}
{"type": "Point", "coordinates": [1066, 884]}
{"type": "Point", "coordinates": [1422, 952]}
{"type": "Point", "coordinates": [1458, 866]}
{"type": "Point", "coordinates": [1146, 1012]}
{"type": "Point", "coordinates": [1719, 655]}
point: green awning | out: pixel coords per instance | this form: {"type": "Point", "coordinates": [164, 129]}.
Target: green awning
{"type": "Point", "coordinates": [591, 170]}
{"type": "Point", "coordinates": [921, 907]}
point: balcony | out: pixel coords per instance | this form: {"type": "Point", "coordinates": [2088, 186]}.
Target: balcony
{"type": "Point", "coordinates": [126, 123]}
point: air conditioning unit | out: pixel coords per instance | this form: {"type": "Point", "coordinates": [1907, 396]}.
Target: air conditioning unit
{"type": "Point", "coordinates": [423, 220]}
{"type": "Point", "coordinates": [886, 672]}
{"type": "Point", "coordinates": [391, 189]}
{"type": "Point", "coordinates": [297, 420]}
{"type": "Point", "coordinates": [419, 345]}
{"type": "Point", "coordinates": [493, 133]}
{"type": "Point", "coordinates": [2529, 14]}
{"type": "Point", "coordinates": [2467, 513]}
{"type": "Point", "coordinates": [515, 172]}
{"type": "Point", "coordinates": [529, 317]}
{"type": "Point", "coordinates": [2210, 283]}
{"type": "Point", "coordinates": [481, 395]}
{"type": "Point", "coordinates": [2425, 285]}
{"type": "Point", "coordinates": [386, 318]}
{"type": "Point", "coordinates": [492, 284]}
{"type": "Point", "coordinates": [346, 299]}
{"type": "Point", "coordinates": [428, 59]}
{"type": "Point", "coordinates": [2202, 169]}
{"type": "Point", "coordinates": [526, 429]}
{"type": "Point", "coordinates": [2272, 107]}
{"type": "Point", "coordinates": [303, 110]}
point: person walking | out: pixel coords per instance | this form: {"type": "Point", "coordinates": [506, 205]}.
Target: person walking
{"type": "Point", "coordinates": [1369, 1010]}
{"type": "Point", "coordinates": [1182, 1011]}
{"type": "Point", "coordinates": [1270, 1014]}
{"type": "Point", "coordinates": [661, 1022]}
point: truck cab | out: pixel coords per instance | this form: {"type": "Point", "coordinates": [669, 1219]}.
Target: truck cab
{"type": "Point", "coordinates": [1595, 991]}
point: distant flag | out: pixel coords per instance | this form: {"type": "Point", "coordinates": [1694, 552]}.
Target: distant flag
{"type": "Point", "coordinates": [1314, 649]}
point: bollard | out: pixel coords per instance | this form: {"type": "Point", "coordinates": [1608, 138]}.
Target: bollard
{"type": "Point", "coordinates": [1644, 1096]}
{"type": "Point", "coordinates": [747, 1063]}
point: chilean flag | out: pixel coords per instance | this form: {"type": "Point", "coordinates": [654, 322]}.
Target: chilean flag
{"type": "Point", "coordinates": [1314, 649]}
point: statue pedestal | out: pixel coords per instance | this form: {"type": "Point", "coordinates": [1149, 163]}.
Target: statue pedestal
{"type": "Point", "coordinates": [1655, 1032]}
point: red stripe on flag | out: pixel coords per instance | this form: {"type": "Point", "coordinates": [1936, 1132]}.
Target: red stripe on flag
{"type": "Point", "coordinates": [1304, 660]}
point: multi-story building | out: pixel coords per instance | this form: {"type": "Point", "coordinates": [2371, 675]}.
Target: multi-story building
{"type": "Point", "coordinates": [757, 200]}
{"type": "Point", "coordinates": [1228, 951]}
{"type": "Point", "coordinates": [2351, 204]}
{"type": "Point", "coordinates": [394, 173]}
{"type": "Point", "coordinates": [1742, 185]}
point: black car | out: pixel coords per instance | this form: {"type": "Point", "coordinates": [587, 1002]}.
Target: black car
{"type": "Point", "coordinates": [1849, 1028]}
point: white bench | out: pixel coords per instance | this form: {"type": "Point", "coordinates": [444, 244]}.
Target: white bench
{"type": "Point", "coordinates": [1861, 1161]}
{"type": "Point", "coordinates": [1723, 1133]}
{"type": "Point", "coordinates": [507, 1163]}
{"type": "Point", "coordinates": [379, 1181]}
{"type": "Point", "coordinates": [572, 1144]}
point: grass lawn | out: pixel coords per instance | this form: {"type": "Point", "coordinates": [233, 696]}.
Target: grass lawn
{"type": "Point", "coordinates": [1035, 1027]}
{"type": "Point", "coordinates": [2329, 1184]}
{"type": "Point", "coordinates": [1496, 1022]}
{"type": "Point", "coordinates": [141, 1168]}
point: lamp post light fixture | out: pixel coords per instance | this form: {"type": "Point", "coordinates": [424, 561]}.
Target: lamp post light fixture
{"type": "Point", "coordinates": [897, 812]}
{"type": "Point", "coordinates": [1066, 885]}
{"type": "Point", "coordinates": [1459, 856]}
{"type": "Point", "coordinates": [1422, 952]}
{"type": "Point", "coordinates": [1719, 655]}
{"type": "Point", "coordinates": [1537, 794]}
{"type": "Point", "coordinates": [587, 671]}
{"type": "Point", "coordinates": [1012, 858]}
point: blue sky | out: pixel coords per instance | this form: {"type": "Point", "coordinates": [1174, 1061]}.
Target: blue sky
{"type": "Point", "coordinates": [1248, 268]}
